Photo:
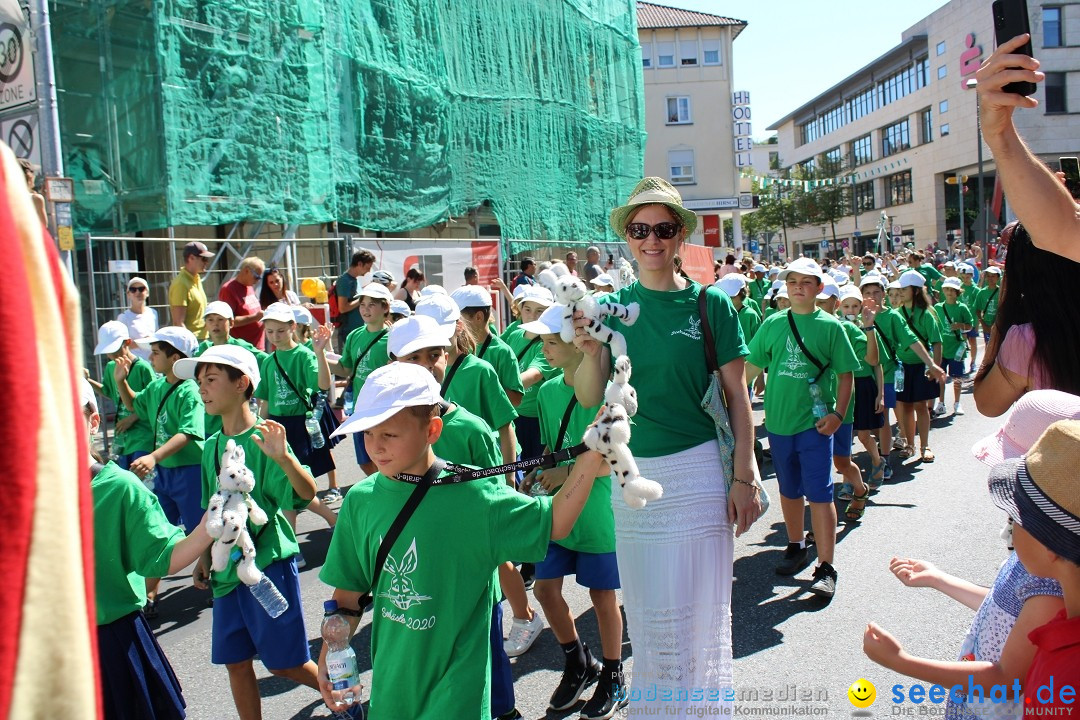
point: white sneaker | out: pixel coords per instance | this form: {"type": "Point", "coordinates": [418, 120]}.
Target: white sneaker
{"type": "Point", "coordinates": [898, 443]}
{"type": "Point", "coordinates": [523, 634]}
{"type": "Point", "coordinates": [301, 563]}
{"type": "Point", "coordinates": [939, 408]}
{"type": "Point", "coordinates": [957, 409]}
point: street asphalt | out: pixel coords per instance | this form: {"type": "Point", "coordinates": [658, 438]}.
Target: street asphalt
{"type": "Point", "coordinates": [794, 654]}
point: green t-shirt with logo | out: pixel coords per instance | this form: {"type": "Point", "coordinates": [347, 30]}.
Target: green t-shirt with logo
{"type": "Point", "coordinates": [432, 603]}
{"type": "Point", "coordinates": [467, 440]}
{"type": "Point", "coordinates": [358, 341]}
{"type": "Point", "coordinates": [140, 436]}
{"type": "Point", "coordinates": [302, 368]}
{"type": "Point", "coordinates": [894, 335]}
{"type": "Point", "coordinates": [182, 413]}
{"type": "Point", "coordinates": [475, 387]}
{"type": "Point", "coordinates": [969, 295]}
{"type": "Point", "coordinates": [749, 321]}
{"type": "Point", "coordinates": [987, 304]}
{"type": "Point", "coordinates": [666, 347]}
{"type": "Point", "coordinates": [133, 540]}
{"type": "Point", "coordinates": [758, 288]}
{"type": "Point", "coordinates": [499, 355]}
{"type": "Point", "coordinates": [953, 341]}
{"type": "Point", "coordinates": [858, 341]}
{"type": "Point", "coordinates": [788, 406]}
{"type": "Point", "coordinates": [594, 532]}
{"type": "Point", "coordinates": [924, 325]}
{"type": "Point", "coordinates": [212, 423]}
{"type": "Point", "coordinates": [273, 492]}
{"type": "Point", "coordinates": [530, 356]}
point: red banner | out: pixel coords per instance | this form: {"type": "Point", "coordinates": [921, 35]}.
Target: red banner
{"type": "Point", "coordinates": [712, 230]}
{"type": "Point", "coordinates": [697, 262]}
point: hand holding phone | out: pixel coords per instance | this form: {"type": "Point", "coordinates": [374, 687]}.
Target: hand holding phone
{"type": "Point", "coordinates": [1011, 20]}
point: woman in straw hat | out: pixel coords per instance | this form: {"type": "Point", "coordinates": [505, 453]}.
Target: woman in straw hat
{"type": "Point", "coordinates": [675, 555]}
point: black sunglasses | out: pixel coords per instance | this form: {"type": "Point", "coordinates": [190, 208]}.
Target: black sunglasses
{"type": "Point", "coordinates": [136, 289]}
{"type": "Point", "coordinates": [663, 231]}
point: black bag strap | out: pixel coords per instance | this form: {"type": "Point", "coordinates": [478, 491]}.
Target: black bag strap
{"type": "Point", "coordinates": [948, 318]}
{"type": "Point", "coordinates": [450, 374]}
{"type": "Point", "coordinates": [360, 357]}
{"type": "Point", "coordinates": [990, 297]}
{"type": "Point", "coordinates": [565, 422]}
{"type": "Point", "coordinates": [802, 346]}
{"type": "Point", "coordinates": [307, 401]}
{"type": "Point", "coordinates": [885, 339]}
{"type": "Point", "coordinates": [907, 317]}
{"type": "Point", "coordinates": [464, 474]}
{"type": "Point", "coordinates": [706, 329]}
{"type": "Point", "coordinates": [484, 348]}
{"type": "Point", "coordinates": [527, 348]}
{"type": "Point", "coordinates": [161, 405]}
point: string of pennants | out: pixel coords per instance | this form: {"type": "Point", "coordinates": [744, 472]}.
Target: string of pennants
{"type": "Point", "coordinates": [847, 179]}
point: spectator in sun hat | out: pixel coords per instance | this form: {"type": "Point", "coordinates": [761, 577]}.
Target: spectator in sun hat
{"type": "Point", "coordinates": [187, 299]}
{"type": "Point", "coordinates": [140, 318]}
{"type": "Point", "coordinates": [603, 283]}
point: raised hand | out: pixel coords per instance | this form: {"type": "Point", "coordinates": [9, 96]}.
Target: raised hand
{"type": "Point", "coordinates": [272, 442]}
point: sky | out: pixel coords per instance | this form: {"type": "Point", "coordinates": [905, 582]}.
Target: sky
{"type": "Point", "coordinates": [792, 50]}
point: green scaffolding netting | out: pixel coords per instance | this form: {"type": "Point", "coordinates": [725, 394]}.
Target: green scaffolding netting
{"type": "Point", "coordinates": [385, 114]}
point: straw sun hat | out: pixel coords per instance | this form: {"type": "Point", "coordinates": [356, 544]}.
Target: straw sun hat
{"type": "Point", "coordinates": [652, 191]}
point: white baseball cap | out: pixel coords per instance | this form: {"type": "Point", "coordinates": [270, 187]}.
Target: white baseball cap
{"type": "Point", "coordinates": [302, 315]}
{"type": "Point", "coordinates": [400, 307]}
{"type": "Point", "coordinates": [388, 391]}
{"type": "Point", "coordinates": [110, 337]}
{"type": "Point", "coordinates": [430, 290]}
{"type": "Point", "coordinates": [781, 293]}
{"type": "Point", "coordinates": [549, 323]}
{"type": "Point", "coordinates": [376, 290]}
{"type": "Point", "coordinates": [965, 268]}
{"type": "Point", "coordinates": [949, 264]}
{"type": "Point", "coordinates": [86, 395]}
{"type": "Point", "coordinates": [829, 289]}
{"type": "Point", "coordinates": [232, 355]}
{"type": "Point", "coordinates": [911, 278]}
{"type": "Point", "coordinates": [603, 279]}
{"type": "Point", "coordinates": [774, 271]}
{"type": "Point", "coordinates": [416, 333]}
{"type": "Point", "coordinates": [850, 291]}
{"type": "Point", "coordinates": [468, 296]}
{"type": "Point", "coordinates": [894, 285]}
{"type": "Point", "coordinates": [841, 279]}
{"type": "Point", "coordinates": [180, 338]}
{"type": "Point", "coordinates": [759, 268]}
{"type": "Point", "coordinates": [953, 283]}
{"type": "Point", "coordinates": [732, 284]}
{"type": "Point", "coordinates": [872, 278]}
{"type": "Point", "coordinates": [803, 266]}
{"type": "Point", "coordinates": [138, 281]}
{"type": "Point", "coordinates": [442, 308]}
{"type": "Point", "coordinates": [219, 307]}
{"type": "Point", "coordinates": [993, 270]}
{"type": "Point", "coordinates": [279, 311]}
{"type": "Point", "coordinates": [537, 294]}
{"type": "Point", "coordinates": [518, 292]}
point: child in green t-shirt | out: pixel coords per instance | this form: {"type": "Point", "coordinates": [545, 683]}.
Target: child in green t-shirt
{"type": "Point", "coordinates": [968, 295]}
{"type": "Point", "coordinates": [430, 648]}
{"type": "Point", "coordinates": [589, 551]}
{"type": "Point", "coordinates": [534, 369]}
{"type": "Point", "coordinates": [133, 436]}
{"type": "Point", "coordinates": [475, 304]}
{"type": "Point", "coordinates": [986, 304]}
{"type": "Point", "coordinates": [955, 320]}
{"type": "Point", "coordinates": [219, 322]}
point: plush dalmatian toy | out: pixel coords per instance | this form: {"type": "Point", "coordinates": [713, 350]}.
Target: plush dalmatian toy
{"type": "Point", "coordinates": [571, 292]}
{"type": "Point", "coordinates": [228, 513]}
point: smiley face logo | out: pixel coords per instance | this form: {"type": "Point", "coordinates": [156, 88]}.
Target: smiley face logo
{"type": "Point", "coordinates": [862, 693]}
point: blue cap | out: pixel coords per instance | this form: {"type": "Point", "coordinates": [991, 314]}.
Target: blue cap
{"type": "Point", "coordinates": [329, 606]}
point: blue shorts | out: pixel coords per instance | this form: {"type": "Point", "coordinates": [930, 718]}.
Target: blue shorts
{"type": "Point", "coordinates": [986, 337]}
{"type": "Point", "coordinates": [527, 430]}
{"type": "Point", "coordinates": [124, 461]}
{"type": "Point", "coordinates": [841, 440]}
{"type": "Point", "coordinates": [803, 465]}
{"type": "Point", "coordinates": [596, 571]}
{"type": "Point", "coordinates": [972, 333]}
{"type": "Point", "coordinates": [502, 677]}
{"type": "Point", "coordinates": [890, 396]}
{"type": "Point", "coordinates": [242, 629]}
{"type": "Point", "coordinates": [362, 458]}
{"type": "Point", "coordinates": [179, 490]}
{"type": "Point", "coordinates": [955, 369]}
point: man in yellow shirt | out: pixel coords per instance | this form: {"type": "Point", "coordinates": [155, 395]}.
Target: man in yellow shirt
{"type": "Point", "coordinates": [187, 299]}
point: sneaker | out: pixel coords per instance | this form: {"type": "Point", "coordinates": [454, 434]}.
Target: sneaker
{"type": "Point", "coordinates": [957, 409]}
{"type": "Point", "coordinates": [332, 495]}
{"type": "Point", "coordinates": [573, 684]}
{"type": "Point", "coordinates": [523, 634]}
{"type": "Point", "coordinates": [847, 491]}
{"type": "Point", "coordinates": [794, 560]}
{"type": "Point", "coordinates": [611, 696]}
{"type": "Point", "coordinates": [824, 584]}
{"type": "Point", "coordinates": [512, 715]}
{"type": "Point", "coordinates": [301, 563]}
{"type": "Point", "coordinates": [939, 409]}
{"type": "Point", "coordinates": [898, 443]}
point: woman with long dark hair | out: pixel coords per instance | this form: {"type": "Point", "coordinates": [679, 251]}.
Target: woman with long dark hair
{"type": "Point", "coordinates": [275, 288]}
{"type": "Point", "coordinates": [411, 287]}
{"type": "Point", "coordinates": [1035, 340]}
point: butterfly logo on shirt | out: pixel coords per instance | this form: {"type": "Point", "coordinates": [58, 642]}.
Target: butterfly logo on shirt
{"type": "Point", "coordinates": [161, 434]}
{"type": "Point", "coordinates": [401, 592]}
{"type": "Point", "coordinates": [692, 329]}
{"type": "Point", "coordinates": [794, 362]}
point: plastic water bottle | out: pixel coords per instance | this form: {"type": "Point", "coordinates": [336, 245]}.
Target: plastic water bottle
{"type": "Point", "coordinates": [898, 377]}
{"type": "Point", "coordinates": [537, 489]}
{"type": "Point", "coordinates": [149, 480]}
{"type": "Point", "coordinates": [268, 596]}
{"type": "Point", "coordinates": [340, 657]}
{"type": "Point", "coordinates": [350, 401]}
{"type": "Point", "coordinates": [960, 352]}
{"type": "Point", "coordinates": [819, 409]}
{"type": "Point", "coordinates": [311, 424]}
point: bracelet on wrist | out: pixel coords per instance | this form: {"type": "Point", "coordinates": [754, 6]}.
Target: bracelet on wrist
{"type": "Point", "coordinates": [746, 482]}
{"type": "Point", "coordinates": [838, 416]}
{"type": "Point", "coordinates": [868, 328]}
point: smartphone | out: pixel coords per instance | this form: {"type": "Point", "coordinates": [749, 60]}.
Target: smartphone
{"type": "Point", "coordinates": [1071, 167]}
{"type": "Point", "coordinates": [1010, 20]}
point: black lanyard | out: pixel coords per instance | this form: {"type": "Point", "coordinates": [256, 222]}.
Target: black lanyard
{"type": "Point", "coordinates": [945, 309]}
{"type": "Point", "coordinates": [904, 312]}
{"type": "Point", "coordinates": [885, 339]}
{"type": "Point", "coordinates": [307, 403]}
{"type": "Point", "coordinates": [464, 474]}
{"type": "Point", "coordinates": [360, 357]}
{"type": "Point", "coordinates": [802, 346]}
{"type": "Point", "coordinates": [450, 375]}
{"type": "Point", "coordinates": [527, 347]}
{"type": "Point", "coordinates": [565, 422]}
{"type": "Point", "coordinates": [483, 348]}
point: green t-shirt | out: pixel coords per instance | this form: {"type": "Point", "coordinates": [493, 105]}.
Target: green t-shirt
{"type": "Point", "coordinates": [929, 273]}
{"type": "Point", "coordinates": [359, 340]}
{"type": "Point", "coordinates": [530, 356]}
{"type": "Point", "coordinates": [475, 387]}
{"type": "Point", "coordinates": [749, 321]}
{"type": "Point", "coordinates": [499, 355]}
{"type": "Point", "coordinates": [865, 368]}
{"type": "Point", "coordinates": [140, 436]}
{"type": "Point", "coordinates": [666, 347]}
{"type": "Point", "coordinates": [894, 334]}
{"type": "Point", "coordinates": [952, 341]}
{"type": "Point", "coordinates": [505, 335]}
{"type": "Point", "coordinates": [273, 492]}
{"type": "Point", "coordinates": [924, 325]}
{"type": "Point", "coordinates": [432, 612]}
{"type": "Point", "coordinates": [182, 412]}
{"type": "Point", "coordinates": [969, 295]}
{"type": "Point", "coordinates": [594, 532]}
{"type": "Point", "coordinates": [788, 407]}
{"type": "Point", "coordinates": [987, 304]}
{"type": "Point", "coordinates": [302, 368]}
{"type": "Point", "coordinates": [858, 341]}
{"type": "Point", "coordinates": [212, 423]}
{"type": "Point", "coordinates": [467, 440]}
{"type": "Point", "coordinates": [132, 540]}
{"type": "Point", "coordinates": [758, 288]}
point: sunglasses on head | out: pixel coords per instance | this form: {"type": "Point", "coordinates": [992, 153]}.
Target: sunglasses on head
{"type": "Point", "coordinates": [136, 289]}
{"type": "Point", "coordinates": [663, 231]}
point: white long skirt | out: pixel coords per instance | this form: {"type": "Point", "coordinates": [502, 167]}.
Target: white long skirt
{"type": "Point", "coordinates": [675, 562]}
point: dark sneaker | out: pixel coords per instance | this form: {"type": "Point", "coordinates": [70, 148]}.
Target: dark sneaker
{"type": "Point", "coordinates": [574, 684]}
{"type": "Point", "coordinates": [512, 715]}
{"type": "Point", "coordinates": [612, 695]}
{"type": "Point", "coordinates": [794, 560]}
{"type": "Point", "coordinates": [824, 584]}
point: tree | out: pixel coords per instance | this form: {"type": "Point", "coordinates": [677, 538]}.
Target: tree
{"type": "Point", "coordinates": [781, 204]}
{"type": "Point", "coordinates": [830, 199]}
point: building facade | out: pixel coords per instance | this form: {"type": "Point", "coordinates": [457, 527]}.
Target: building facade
{"type": "Point", "coordinates": [686, 60]}
{"type": "Point", "coordinates": [903, 130]}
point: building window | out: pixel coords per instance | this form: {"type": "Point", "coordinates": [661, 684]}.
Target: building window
{"type": "Point", "coordinates": [678, 110]}
{"type": "Point", "coordinates": [1056, 102]}
{"type": "Point", "coordinates": [665, 54]}
{"type": "Point", "coordinates": [681, 166]}
{"type": "Point", "coordinates": [895, 138]}
{"type": "Point", "coordinates": [833, 161]}
{"type": "Point", "coordinates": [862, 151]}
{"type": "Point", "coordinates": [646, 55]}
{"type": "Point", "coordinates": [687, 52]}
{"type": "Point", "coordinates": [809, 166]}
{"type": "Point", "coordinates": [864, 196]}
{"type": "Point", "coordinates": [942, 72]}
{"type": "Point", "coordinates": [711, 51]}
{"type": "Point", "coordinates": [927, 126]}
{"type": "Point", "coordinates": [898, 188]}
{"type": "Point", "coordinates": [944, 130]}
{"type": "Point", "coordinates": [1051, 17]}
{"type": "Point", "coordinates": [941, 48]}
{"type": "Point", "coordinates": [943, 107]}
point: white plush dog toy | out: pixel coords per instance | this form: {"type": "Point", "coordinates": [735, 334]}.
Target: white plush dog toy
{"type": "Point", "coordinates": [228, 513]}
{"type": "Point", "coordinates": [571, 292]}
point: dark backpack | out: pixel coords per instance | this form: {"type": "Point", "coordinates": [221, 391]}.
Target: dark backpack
{"type": "Point", "coordinates": [331, 301]}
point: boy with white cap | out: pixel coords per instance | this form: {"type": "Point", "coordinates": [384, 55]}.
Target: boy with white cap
{"type": "Point", "coordinates": [735, 287]}
{"type": "Point", "coordinates": [444, 588]}
{"type": "Point", "coordinates": [475, 304]}
{"type": "Point", "coordinates": [133, 435]}
{"type": "Point", "coordinates": [227, 377]}
{"type": "Point", "coordinates": [219, 322]}
{"type": "Point", "coordinates": [533, 368]}
{"type": "Point", "coordinates": [955, 320]}
{"type": "Point", "coordinates": [758, 285]}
